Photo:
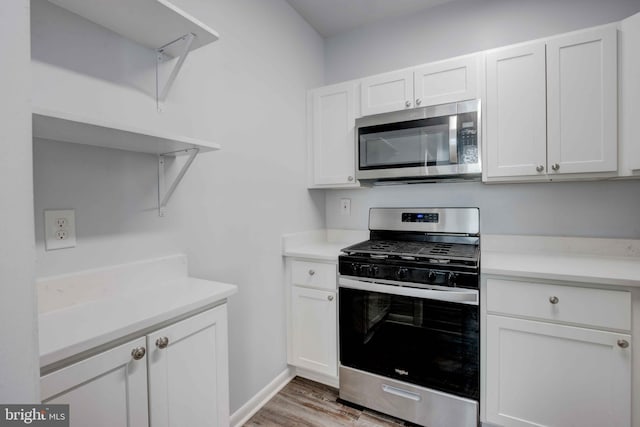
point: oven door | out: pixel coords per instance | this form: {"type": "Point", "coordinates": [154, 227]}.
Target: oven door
{"type": "Point", "coordinates": [421, 336]}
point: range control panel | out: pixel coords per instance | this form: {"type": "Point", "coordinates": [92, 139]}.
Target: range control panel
{"type": "Point", "coordinates": [420, 217]}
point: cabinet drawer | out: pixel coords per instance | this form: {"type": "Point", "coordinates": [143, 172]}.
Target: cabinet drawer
{"type": "Point", "coordinates": [586, 306]}
{"type": "Point", "coordinates": [313, 274]}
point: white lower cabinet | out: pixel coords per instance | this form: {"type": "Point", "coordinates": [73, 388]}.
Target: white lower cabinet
{"type": "Point", "coordinates": [314, 330]}
{"type": "Point", "coordinates": [180, 379]}
{"type": "Point", "coordinates": [557, 355]}
{"type": "Point", "coordinates": [543, 374]}
{"type": "Point", "coordinates": [312, 334]}
{"type": "Point", "coordinates": [188, 372]}
{"type": "Point", "coordinates": [108, 389]}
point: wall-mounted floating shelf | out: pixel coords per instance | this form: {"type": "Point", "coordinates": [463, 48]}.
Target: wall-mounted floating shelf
{"type": "Point", "coordinates": [156, 24]}
{"type": "Point", "coordinates": [68, 127]}
{"type": "Point", "coordinates": [151, 23]}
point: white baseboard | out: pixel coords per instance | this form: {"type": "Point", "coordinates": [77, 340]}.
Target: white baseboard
{"type": "Point", "coordinates": [319, 378]}
{"type": "Point", "coordinates": [248, 410]}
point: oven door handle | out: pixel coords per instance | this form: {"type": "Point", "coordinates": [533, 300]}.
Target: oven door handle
{"type": "Point", "coordinates": [467, 296]}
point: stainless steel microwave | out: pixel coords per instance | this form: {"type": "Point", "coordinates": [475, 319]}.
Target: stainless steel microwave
{"type": "Point", "coordinates": [433, 143]}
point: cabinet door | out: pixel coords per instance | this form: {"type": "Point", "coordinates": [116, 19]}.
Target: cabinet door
{"type": "Point", "coordinates": [387, 92]}
{"type": "Point", "coordinates": [188, 378]}
{"type": "Point", "coordinates": [629, 94]}
{"type": "Point", "coordinates": [543, 374]}
{"type": "Point", "coordinates": [582, 102]}
{"type": "Point", "coordinates": [446, 81]}
{"type": "Point", "coordinates": [314, 330]}
{"type": "Point", "coordinates": [516, 136]}
{"type": "Point", "coordinates": [332, 138]}
{"type": "Point", "coordinates": [109, 389]}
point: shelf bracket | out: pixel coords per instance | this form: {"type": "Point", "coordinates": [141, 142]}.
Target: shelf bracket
{"type": "Point", "coordinates": [161, 57]}
{"type": "Point", "coordinates": [165, 194]}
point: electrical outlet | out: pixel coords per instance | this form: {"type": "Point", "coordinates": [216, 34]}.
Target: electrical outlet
{"type": "Point", "coordinates": [345, 207]}
{"type": "Point", "coordinates": [59, 229]}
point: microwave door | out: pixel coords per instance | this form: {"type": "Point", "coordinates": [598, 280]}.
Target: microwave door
{"type": "Point", "coordinates": [436, 148]}
{"type": "Point", "coordinates": [420, 144]}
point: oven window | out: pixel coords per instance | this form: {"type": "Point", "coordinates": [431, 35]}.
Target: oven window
{"type": "Point", "coordinates": [425, 342]}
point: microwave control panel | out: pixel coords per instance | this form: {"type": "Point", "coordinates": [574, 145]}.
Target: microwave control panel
{"type": "Point", "coordinates": [468, 138]}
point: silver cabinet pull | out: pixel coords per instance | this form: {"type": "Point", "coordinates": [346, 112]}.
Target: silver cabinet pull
{"type": "Point", "coordinates": [138, 353]}
{"type": "Point", "coordinates": [554, 300]}
{"type": "Point", "coordinates": [350, 179]}
{"type": "Point", "coordinates": [330, 297]}
{"type": "Point", "coordinates": [539, 168]}
{"type": "Point", "coordinates": [162, 342]}
{"type": "Point", "coordinates": [418, 101]}
{"type": "Point", "coordinates": [555, 166]}
{"type": "Point", "coordinates": [407, 104]}
{"type": "Point", "coordinates": [312, 272]}
{"type": "Point", "coordinates": [623, 343]}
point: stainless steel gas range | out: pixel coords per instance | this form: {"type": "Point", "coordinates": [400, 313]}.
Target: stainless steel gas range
{"type": "Point", "coordinates": [409, 318]}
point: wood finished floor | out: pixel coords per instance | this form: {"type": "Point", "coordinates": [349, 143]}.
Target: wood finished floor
{"type": "Point", "coordinates": [306, 403]}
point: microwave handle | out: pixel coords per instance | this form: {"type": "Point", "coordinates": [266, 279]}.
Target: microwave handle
{"type": "Point", "coordinates": [453, 140]}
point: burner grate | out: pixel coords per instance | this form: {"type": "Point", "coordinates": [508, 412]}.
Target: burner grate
{"type": "Point", "coordinates": [388, 248]}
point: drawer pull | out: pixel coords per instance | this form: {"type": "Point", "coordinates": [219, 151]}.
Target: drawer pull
{"type": "Point", "coordinates": [312, 272]}
{"type": "Point", "coordinates": [401, 393]}
{"type": "Point", "coordinates": [623, 343]}
{"type": "Point", "coordinates": [554, 300]}
{"type": "Point", "coordinates": [330, 297]}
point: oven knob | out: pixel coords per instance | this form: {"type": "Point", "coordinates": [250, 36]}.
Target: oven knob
{"type": "Point", "coordinates": [354, 268]}
{"type": "Point", "coordinates": [402, 273]}
{"type": "Point", "coordinates": [374, 270]}
{"type": "Point", "coordinates": [431, 276]}
{"type": "Point", "coordinates": [365, 270]}
{"type": "Point", "coordinates": [451, 279]}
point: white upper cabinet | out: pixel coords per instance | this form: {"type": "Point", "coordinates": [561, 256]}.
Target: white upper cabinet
{"type": "Point", "coordinates": [447, 81]}
{"type": "Point", "coordinates": [629, 92]}
{"type": "Point", "coordinates": [582, 102]}
{"type": "Point", "coordinates": [551, 107]}
{"type": "Point", "coordinates": [387, 92]}
{"type": "Point", "coordinates": [436, 83]}
{"type": "Point", "coordinates": [331, 119]}
{"type": "Point", "coordinates": [515, 111]}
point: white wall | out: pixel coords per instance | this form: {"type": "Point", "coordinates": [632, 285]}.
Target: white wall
{"type": "Point", "coordinates": [589, 209]}
{"type": "Point", "coordinates": [605, 209]}
{"type": "Point", "coordinates": [19, 368]}
{"type": "Point", "coordinates": [460, 27]}
{"type": "Point", "coordinates": [246, 92]}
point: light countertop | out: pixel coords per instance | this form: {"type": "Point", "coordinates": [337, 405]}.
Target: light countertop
{"type": "Point", "coordinates": [600, 261]}
{"type": "Point", "coordinates": [612, 262]}
{"type": "Point", "coordinates": [97, 314]}
{"type": "Point", "coordinates": [322, 245]}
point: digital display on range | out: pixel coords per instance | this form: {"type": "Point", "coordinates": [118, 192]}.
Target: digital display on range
{"type": "Point", "coordinates": [420, 217]}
